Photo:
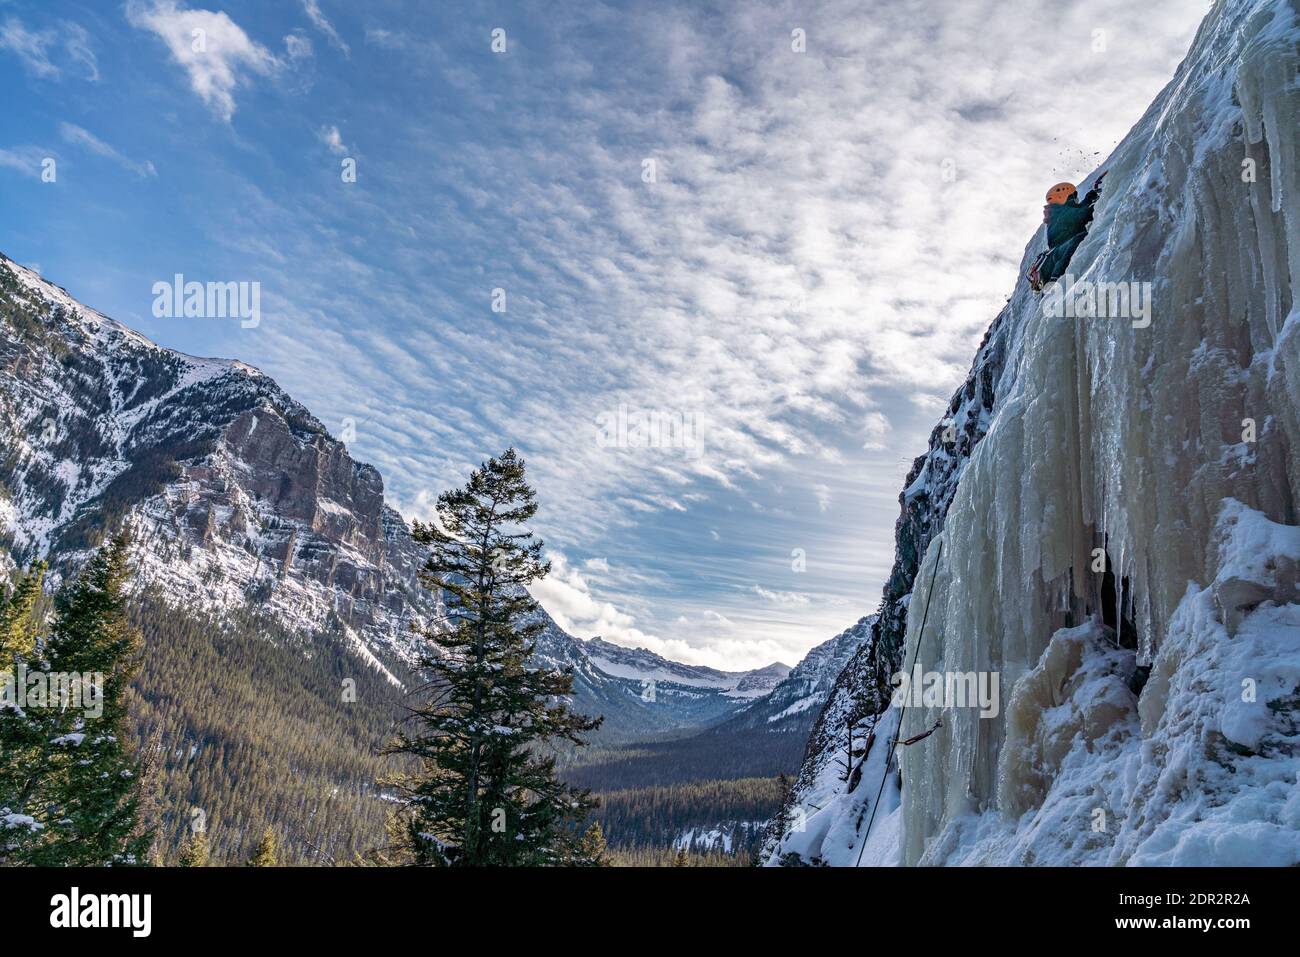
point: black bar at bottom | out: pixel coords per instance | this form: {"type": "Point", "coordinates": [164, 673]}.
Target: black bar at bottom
{"type": "Point", "coordinates": [336, 906]}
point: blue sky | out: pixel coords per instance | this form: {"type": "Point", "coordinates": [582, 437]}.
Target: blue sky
{"type": "Point", "coordinates": [802, 270]}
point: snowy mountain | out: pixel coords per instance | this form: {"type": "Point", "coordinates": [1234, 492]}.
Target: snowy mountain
{"type": "Point", "coordinates": [642, 665]}
{"type": "Point", "coordinates": [238, 498]}
{"type": "Point", "coordinates": [764, 737]}
{"type": "Point", "coordinates": [797, 699]}
{"type": "Point", "coordinates": [1106, 522]}
{"type": "Point", "coordinates": [235, 493]}
{"type": "Point", "coordinates": [641, 693]}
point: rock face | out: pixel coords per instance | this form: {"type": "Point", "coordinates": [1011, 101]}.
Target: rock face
{"type": "Point", "coordinates": [761, 681]}
{"type": "Point", "coordinates": [1096, 524]}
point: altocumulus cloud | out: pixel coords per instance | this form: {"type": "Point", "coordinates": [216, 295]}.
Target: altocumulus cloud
{"type": "Point", "coordinates": [794, 252]}
{"type": "Point", "coordinates": [47, 52]}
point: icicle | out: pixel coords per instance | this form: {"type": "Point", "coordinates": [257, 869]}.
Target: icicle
{"type": "Point", "coordinates": [1118, 572]}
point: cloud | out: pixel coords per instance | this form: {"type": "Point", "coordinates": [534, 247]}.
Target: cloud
{"type": "Point", "coordinates": [802, 276]}
{"type": "Point", "coordinates": [313, 11]}
{"type": "Point", "coordinates": [567, 596]}
{"type": "Point", "coordinates": [38, 49]}
{"type": "Point", "coordinates": [31, 48]}
{"type": "Point", "coordinates": [874, 427]}
{"type": "Point", "coordinates": [77, 46]}
{"type": "Point", "coordinates": [78, 136]}
{"type": "Point", "coordinates": [217, 55]}
{"type": "Point", "coordinates": [823, 494]}
{"type": "Point", "coordinates": [330, 136]}
{"type": "Point", "coordinates": [25, 159]}
{"type": "Point", "coordinates": [389, 39]}
{"type": "Point", "coordinates": [780, 597]}
{"type": "Point", "coordinates": [298, 48]}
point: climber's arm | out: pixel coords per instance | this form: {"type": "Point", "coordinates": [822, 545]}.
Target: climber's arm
{"type": "Point", "coordinates": [1094, 194]}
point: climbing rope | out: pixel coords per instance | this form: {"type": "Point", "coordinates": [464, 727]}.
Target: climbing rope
{"type": "Point", "coordinates": [889, 756]}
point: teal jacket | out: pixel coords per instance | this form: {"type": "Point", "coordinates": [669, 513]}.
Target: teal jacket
{"type": "Point", "coordinates": [1067, 224]}
{"type": "Point", "coordinates": [1069, 219]}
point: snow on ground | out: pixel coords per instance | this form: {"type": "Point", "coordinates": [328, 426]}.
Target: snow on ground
{"type": "Point", "coordinates": [720, 837]}
{"type": "Point", "coordinates": [803, 704]}
{"type": "Point", "coordinates": [828, 824]}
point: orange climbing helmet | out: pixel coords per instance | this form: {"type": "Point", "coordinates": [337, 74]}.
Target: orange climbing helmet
{"type": "Point", "coordinates": [1061, 193]}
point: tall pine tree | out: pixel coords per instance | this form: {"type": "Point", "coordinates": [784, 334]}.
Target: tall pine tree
{"type": "Point", "coordinates": [72, 781]}
{"type": "Point", "coordinates": [484, 795]}
{"type": "Point", "coordinates": [23, 728]}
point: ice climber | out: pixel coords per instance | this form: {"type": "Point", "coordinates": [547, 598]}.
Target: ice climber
{"type": "Point", "coordinates": [1067, 222]}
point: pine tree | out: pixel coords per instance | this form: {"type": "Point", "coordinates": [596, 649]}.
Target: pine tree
{"type": "Point", "coordinates": [23, 729]}
{"type": "Point", "coordinates": [77, 779]}
{"type": "Point", "coordinates": [194, 852]}
{"type": "Point", "coordinates": [18, 623]}
{"type": "Point", "coordinates": [268, 851]}
{"type": "Point", "coordinates": [483, 794]}
{"type": "Point", "coordinates": [98, 796]}
{"type": "Point", "coordinates": [591, 849]}
{"type": "Point", "coordinates": [785, 818]}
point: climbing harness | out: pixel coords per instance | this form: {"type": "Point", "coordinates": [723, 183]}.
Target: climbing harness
{"type": "Point", "coordinates": [1035, 279]}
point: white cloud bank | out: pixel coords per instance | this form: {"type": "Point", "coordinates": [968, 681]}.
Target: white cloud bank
{"type": "Point", "coordinates": [215, 52]}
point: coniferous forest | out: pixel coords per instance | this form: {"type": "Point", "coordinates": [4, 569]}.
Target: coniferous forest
{"type": "Point", "coordinates": [240, 741]}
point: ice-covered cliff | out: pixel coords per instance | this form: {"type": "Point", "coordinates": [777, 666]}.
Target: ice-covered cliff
{"type": "Point", "coordinates": [1126, 505]}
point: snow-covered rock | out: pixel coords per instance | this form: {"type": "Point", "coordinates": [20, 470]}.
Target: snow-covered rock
{"type": "Point", "coordinates": [643, 665]}
{"type": "Point", "coordinates": [640, 693]}
{"type": "Point", "coordinates": [1201, 769]}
